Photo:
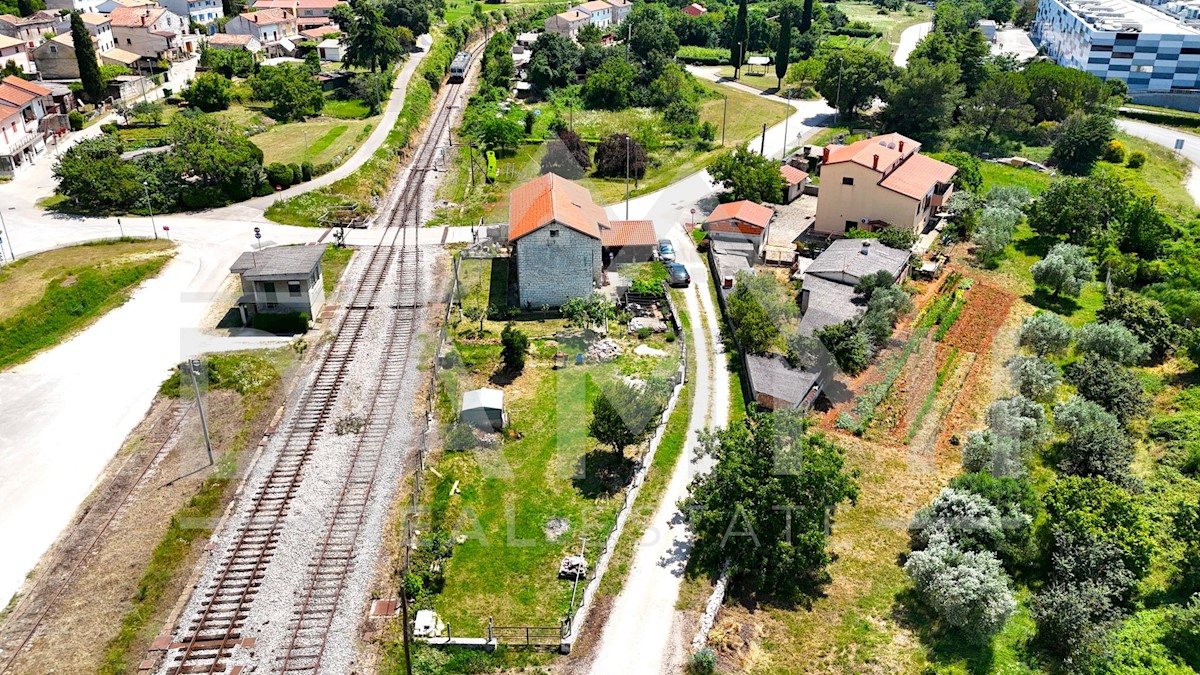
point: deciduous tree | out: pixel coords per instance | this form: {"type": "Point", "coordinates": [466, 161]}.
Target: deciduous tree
{"type": "Point", "coordinates": [619, 153]}
{"type": "Point", "coordinates": [747, 175]}
{"type": "Point", "coordinates": [290, 89]}
{"type": "Point", "coordinates": [1110, 385]}
{"type": "Point", "coordinates": [1146, 318]}
{"type": "Point", "coordinates": [1113, 341]}
{"type": "Point", "coordinates": [209, 92]}
{"type": "Point", "coordinates": [861, 73]}
{"type": "Point", "coordinates": [921, 98]}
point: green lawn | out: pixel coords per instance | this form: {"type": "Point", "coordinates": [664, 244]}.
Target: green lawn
{"type": "Point", "coordinates": [47, 297]}
{"type": "Point", "coordinates": [319, 140]}
{"type": "Point", "coordinates": [333, 265]}
{"type": "Point", "coordinates": [353, 109]}
{"type": "Point", "coordinates": [1001, 174]}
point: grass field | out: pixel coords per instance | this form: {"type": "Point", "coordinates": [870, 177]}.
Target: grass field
{"type": "Point", "coordinates": [333, 265]}
{"type": "Point", "coordinates": [47, 297]}
{"type": "Point", "coordinates": [319, 140]}
{"type": "Point", "coordinates": [747, 112]}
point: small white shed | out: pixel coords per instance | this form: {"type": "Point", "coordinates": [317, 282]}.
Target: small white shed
{"type": "Point", "coordinates": [484, 408]}
{"type": "Point", "coordinates": [330, 50]}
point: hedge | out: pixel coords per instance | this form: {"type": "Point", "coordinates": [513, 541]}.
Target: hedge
{"type": "Point", "coordinates": [858, 32]}
{"type": "Point", "coordinates": [1162, 117]}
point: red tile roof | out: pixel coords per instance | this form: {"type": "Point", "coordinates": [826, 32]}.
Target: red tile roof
{"type": "Point", "coordinates": [35, 89]}
{"type": "Point", "coordinates": [628, 233]}
{"type": "Point", "coordinates": [889, 147]}
{"type": "Point", "coordinates": [917, 176]}
{"type": "Point", "coordinates": [792, 175]}
{"type": "Point", "coordinates": [229, 39]}
{"type": "Point", "coordinates": [267, 17]}
{"type": "Point", "coordinates": [694, 9]}
{"type": "Point", "coordinates": [317, 32]}
{"type": "Point", "coordinates": [135, 17]}
{"type": "Point", "coordinates": [552, 198]}
{"type": "Point", "coordinates": [292, 4]}
{"type": "Point", "coordinates": [745, 211]}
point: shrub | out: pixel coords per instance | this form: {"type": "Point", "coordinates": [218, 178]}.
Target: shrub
{"type": "Point", "coordinates": [968, 590]}
{"type": "Point", "coordinates": [1114, 152]}
{"type": "Point", "coordinates": [297, 174]}
{"type": "Point", "coordinates": [1110, 385]}
{"type": "Point", "coordinates": [1036, 378]}
{"type": "Point", "coordinates": [306, 171]}
{"type": "Point", "coordinates": [209, 92]}
{"type": "Point", "coordinates": [977, 451]}
{"type": "Point", "coordinates": [108, 128]}
{"type": "Point", "coordinates": [75, 119]}
{"type": "Point", "coordinates": [279, 175]}
{"type": "Point", "coordinates": [1136, 159]}
{"type": "Point", "coordinates": [515, 343]}
{"type": "Point", "coordinates": [703, 662]}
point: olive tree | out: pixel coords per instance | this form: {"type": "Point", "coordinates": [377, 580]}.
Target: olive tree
{"type": "Point", "coordinates": [969, 590]}
{"type": "Point", "coordinates": [1064, 270]}
{"type": "Point", "coordinates": [1046, 333]}
{"type": "Point", "coordinates": [1113, 341]}
{"type": "Point", "coordinates": [1035, 377]}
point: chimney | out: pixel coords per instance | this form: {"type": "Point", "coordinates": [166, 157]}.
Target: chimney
{"type": "Point", "coordinates": [825, 156]}
{"type": "Point", "coordinates": [901, 146]}
{"type": "Point", "coordinates": [866, 247]}
{"type": "Point", "coordinates": [875, 164]}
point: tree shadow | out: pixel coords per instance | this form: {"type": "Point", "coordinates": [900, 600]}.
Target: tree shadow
{"type": "Point", "coordinates": [504, 376]}
{"type": "Point", "coordinates": [1037, 246]}
{"type": "Point", "coordinates": [602, 473]}
{"type": "Point", "coordinates": [946, 645]}
{"type": "Point", "coordinates": [1043, 299]}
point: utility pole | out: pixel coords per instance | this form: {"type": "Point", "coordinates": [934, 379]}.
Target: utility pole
{"type": "Point", "coordinates": [762, 150]}
{"type": "Point", "coordinates": [305, 131]}
{"type": "Point", "coordinates": [787, 116]}
{"type": "Point", "coordinates": [837, 99]}
{"type": "Point", "coordinates": [192, 367]}
{"type": "Point", "coordinates": [404, 612]}
{"type": "Point", "coordinates": [627, 176]}
{"type": "Point", "coordinates": [150, 208]}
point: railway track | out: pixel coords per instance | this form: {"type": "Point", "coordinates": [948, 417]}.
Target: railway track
{"type": "Point", "coordinates": [52, 585]}
{"type": "Point", "coordinates": [389, 286]}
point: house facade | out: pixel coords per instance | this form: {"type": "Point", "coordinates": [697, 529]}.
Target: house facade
{"type": "Point", "coordinates": [85, 6]}
{"type": "Point", "coordinates": [32, 29]}
{"type": "Point", "coordinates": [99, 27]}
{"type": "Point", "coordinates": [567, 23]}
{"type": "Point", "coordinates": [55, 59]}
{"type": "Point", "coordinates": [202, 12]}
{"type": "Point", "coordinates": [152, 33]}
{"type": "Point", "coordinates": [281, 280]}
{"type": "Point", "coordinates": [554, 228]}
{"type": "Point", "coordinates": [880, 180]}
{"type": "Point", "coordinates": [267, 26]}
{"type": "Point", "coordinates": [12, 50]}
{"type": "Point", "coordinates": [600, 13]}
{"type": "Point", "coordinates": [308, 13]}
{"type": "Point", "coordinates": [24, 109]}
{"type": "Point", "coordinates": [794, 182]}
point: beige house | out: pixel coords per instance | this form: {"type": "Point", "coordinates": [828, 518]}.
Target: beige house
{"type": "Point", "coordinates": [267, 26]}
{"type": "Point", "coordinates": [32, 29]}
{"type": "Point", "coordinates": [13, 50]}
{"type": "Point", "coordinates": [150, 32]}
{"type": "Point", "coordinates": [567, 23]}
{"type": "Point", "coordinates": [880, 181]}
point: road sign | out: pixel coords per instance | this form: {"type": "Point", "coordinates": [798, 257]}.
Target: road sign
{"type": "Point", "coordinates": [1178, 143]}
{"type": "Point", "coordinates": [257, 233]}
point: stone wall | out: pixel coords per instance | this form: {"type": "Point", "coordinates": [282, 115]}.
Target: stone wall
{"type": "Point", "coordinates": [553, 268]}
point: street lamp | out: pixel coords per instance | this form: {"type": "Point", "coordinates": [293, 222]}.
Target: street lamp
{"type": "Point", "coordinates": [192, 367]}
{"type": "Point", "coordinates": [837, 99]}
{"type": "Point", "coordinates": [146, 187]}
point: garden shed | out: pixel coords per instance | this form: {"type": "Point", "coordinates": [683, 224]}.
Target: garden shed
{"type": "Point", "coordinates": [484, 408]}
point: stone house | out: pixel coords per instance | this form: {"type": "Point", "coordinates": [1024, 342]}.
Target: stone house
{"type": "Point", "coordinates": [32, 29]}
{"type": "Point", "coordinates": [567, 23]}
{"type": "Point", "coordinates": [55, 58]}
{"type": "Point", "coordinates": [281, 280]}
{"type": "Point", "coordinates": [554, 228]}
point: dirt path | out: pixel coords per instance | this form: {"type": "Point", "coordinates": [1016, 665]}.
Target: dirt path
{"type": "Point", "coordinates": [642, 633]}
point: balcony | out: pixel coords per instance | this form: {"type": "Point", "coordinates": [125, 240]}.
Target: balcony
{"type": "Point", "coordinates": [941, 195]}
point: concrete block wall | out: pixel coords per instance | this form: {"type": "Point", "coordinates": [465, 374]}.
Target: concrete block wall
{"type": "Point", "coordinates": [552, 269]}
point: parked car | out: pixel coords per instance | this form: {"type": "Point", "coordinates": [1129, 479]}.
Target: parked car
{"type": "Point", "coordinates": [666, 250]}
{"type": "Point", "coordinates": [677, 275]}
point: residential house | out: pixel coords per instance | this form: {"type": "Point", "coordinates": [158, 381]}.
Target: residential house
{"type": "Point", "coordinates": [319, 33]}
{"type": "Point", "coordinates": [695, 9]}
{"type": "Point", "coordinates": [308, 13]}
{"type": "Point", "coordinates": [567, 23]}
{"type": "Point", "coordinates": [880, 180]}
{"type": "Point", "coordinates": [827, 296]}
{"type": "Point", "coordinates": [280, 280]}
{"type": "Point", "coordinates": [13, 50]}
{"type": "Point", "coordinates": [268, 26]}
{"type": "Point", "coordinates": [600, 13]}
{"type": "Point", "coordinates": [228, 41]}
{"type": "Point", "coordinates": [99, 27]}
{"type": "Point", "coordinates": [202, 12]}
{"type": "Point", "coordinates": [739, 221]}
{"type": "Point", "coordinates": [151, 32]}
{"type": "Point", "coordinates": [32, 30]}
{"type": "Point", "coordinates": [621, 10]}
{"type": "Point", "coordinates": [329, 50]}
{"type": "Point", "coordinates": [56, 60]}
{"type": "Point", "coordinates": [795, 180]}
{"type": "Point", "coordinates": [23, 107]}
{"type": "Point", "coordinates": [560, 239]}
{"type": "Point", "coordinates": [85, 6]}
{"type": "Point", "coordinates": [776, 385]}
{"type": "Point", "coordinates": [107, 6]}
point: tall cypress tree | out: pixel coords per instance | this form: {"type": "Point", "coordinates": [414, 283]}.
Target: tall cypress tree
{"type": "Point", "coordinates": [85, 55]}
{"type": "Point", "coordinates": [741, 31]}
{"type": "Point", "coordinates": [25, 7]}
{"type": "Point", "coordinates": [806, 18]}
{"type": "Point", "coordinates": [783, 51]}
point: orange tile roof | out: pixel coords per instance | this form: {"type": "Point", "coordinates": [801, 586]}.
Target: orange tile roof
{"type": "Point", "coordinates": [745, 211]}
{"type": "Point", "coordinates": [917, 176]}
{"type": "Point", "coordinates": [134, 17]}
{"type": "Point", "coordinates": [20, 83]}
{"type": "Point", "coordinates": [694, 9]}
{"type": "Point", "coordinates": [791, 174]}
{"type": "Point", "coordinates": [267, 17]}
{"type": "Point", "coordinates": [552, 198]}
{"type": "Point", "coordinates": [571, 15]}
{"type": "Point", "coordinates": [317, 32]}
{"type": "Point", "coordinates": [629, 233]}
{"type": "Point", "coordinates": [887, 146]}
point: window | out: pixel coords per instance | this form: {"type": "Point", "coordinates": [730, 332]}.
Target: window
{"type": "Point", "coordinates": [553, 233]}
{"type": "Point", "coordinates": [53, 49]}
{"type": "Point", "coordinates": [294, 289]}
{"type": "Point", "coordinates": [269, 286]}
{"type": "Point", "coordinates": [1143, 69]}
{"type": "Point", "coordinates": [847, 180]}
{"type": "Point", "coordinates": [850, 225]}
{"type": "Point", "coordinates": [128, 41]}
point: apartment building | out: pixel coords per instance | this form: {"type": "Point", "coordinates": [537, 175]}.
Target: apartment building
{"type": "Point", "coordinates": [1147, 48]}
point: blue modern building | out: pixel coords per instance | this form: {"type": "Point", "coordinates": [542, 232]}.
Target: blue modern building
{"type": "Point", "coordinates": [1147, 48]}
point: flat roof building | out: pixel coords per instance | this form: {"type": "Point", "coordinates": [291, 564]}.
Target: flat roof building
{"type": "Point", "coordinates": [1147, 48]}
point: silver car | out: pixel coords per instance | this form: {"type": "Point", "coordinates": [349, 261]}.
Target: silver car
{"type": "Point", "coordinates": [666, 250]}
